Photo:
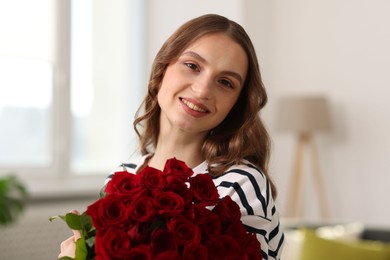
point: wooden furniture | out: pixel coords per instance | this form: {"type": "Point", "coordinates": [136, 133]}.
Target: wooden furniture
{"type": "Point", "coordinates": [305, 116]}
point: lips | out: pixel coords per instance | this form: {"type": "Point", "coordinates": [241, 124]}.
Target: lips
{"type": "Point", "coordinates": [195, 106]}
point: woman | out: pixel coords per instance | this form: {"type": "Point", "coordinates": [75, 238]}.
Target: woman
{"type": "Point", "coordinates": [202, 107]}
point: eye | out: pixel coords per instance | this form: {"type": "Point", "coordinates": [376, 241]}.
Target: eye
{"type": "Point", "coordinates": [192, 66]}
{"type": "Point", "coordinates": [226, 83]}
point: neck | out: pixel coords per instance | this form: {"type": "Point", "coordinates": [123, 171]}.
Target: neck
{"type": "Point", "coordinates": [184, 147]}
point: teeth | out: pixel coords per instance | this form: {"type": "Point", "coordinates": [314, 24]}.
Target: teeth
{"type": "Point", "coordinates": [193, 106]}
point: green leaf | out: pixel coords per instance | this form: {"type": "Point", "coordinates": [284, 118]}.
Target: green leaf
{"type": "Point", "coordinates": [81, 222]}
{"type": "Point", "coordinates": [74, 221]}
{"type": "Point", "coordinates": [65, 258]}
{"type": "Point", "coordinates": [86, 221]}
{"type": "Point", "coordinates": [91, 232]}
{"type": "Point", "coordinates": [51, 219]}
{"type": "Point", "coordinates": [81, 249]}
{"type": "Point", "coordinates": [158, 223]}
{"type": "Point", "coordinates": [102, 193]}
{"type": "Point", "coordinates": [5, 215]}
{"type": "Point", "coordinates": [90, 241]}
{"type": "Point", "coordinates": [13, 196]}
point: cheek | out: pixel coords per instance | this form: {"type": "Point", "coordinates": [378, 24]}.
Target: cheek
{"type": "Point", "coordinates": [228, 105]}
{"type": "Point", "coordinates": [162, 94]}
{"type": "Point", "coordinates": [225, 109]}
{"type": "Point", "coordinates": [159, 97]}
{"type": "Point", "coordinates": [167, 87]}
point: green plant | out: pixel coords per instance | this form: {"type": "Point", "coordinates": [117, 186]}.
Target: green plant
{"type": "Point", "coordinates": [13, 195]}
{"type": "Point", "coordinates": [84, 245]}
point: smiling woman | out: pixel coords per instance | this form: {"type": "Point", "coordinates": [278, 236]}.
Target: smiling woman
{"type": "Point", "coordinates": [202, 107]}
{"type": "Point", "coordinates": [199, 89]}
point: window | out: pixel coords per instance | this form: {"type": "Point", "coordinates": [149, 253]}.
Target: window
{"type": "Point", "coordinates": [25, 116]}
{"type": "Point", "coordinates": [107, 74]}
{"type": "Point", "coordinates": [26, 83]}
{"type": "Point", "coordinates": [72, 76]}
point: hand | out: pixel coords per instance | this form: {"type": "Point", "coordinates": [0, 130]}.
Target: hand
{"type": "Point", "coordinates": [68, 246]}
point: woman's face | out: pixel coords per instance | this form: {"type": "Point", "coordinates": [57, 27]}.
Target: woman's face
{"type": "Point", "coordinates": [200, 88]}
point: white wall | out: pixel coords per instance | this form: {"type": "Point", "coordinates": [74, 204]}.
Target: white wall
{"type": "Point", "coordinates": [164, 17]}
{"type": "Point", "coordinates": [336, 48]}
{"type": "Point", "coordinates": [340, 49]}
{"type": "Point", "coordinates": [33, 236]}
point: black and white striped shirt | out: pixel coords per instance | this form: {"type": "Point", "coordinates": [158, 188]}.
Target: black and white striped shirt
{"type": "Point", "coordinates": [250, 189]}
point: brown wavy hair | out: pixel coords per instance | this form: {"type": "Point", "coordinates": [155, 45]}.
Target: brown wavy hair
{"type": "Point", "coordinates": [242, 134]}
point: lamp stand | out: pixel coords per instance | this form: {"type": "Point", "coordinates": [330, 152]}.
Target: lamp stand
{"type": "Point", "coordinates": [294, 207]}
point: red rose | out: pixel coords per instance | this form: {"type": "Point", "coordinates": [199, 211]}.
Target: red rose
{"type": "Point", "coordinates": [216, 249]}
{"type": "Point", "coordinates": [162, 240]}
{"type": "Point", "coordinates": [197, 213]}
{"type": "Point", "coordinates": [166, 215]}
{"type": "Point", "coordinates": [231, 246]}
{"type": "Point", "coordinates": [222, 247]}
{"type": "Point", "coordinates": [111, 243]}
{"type": "Point", "coordinates": [176, 169]}
{"type": "Point", "coordinates": [183, 230]}
{"type": "Point", "coordinates": [152, 178]}
{"type": "Point", "coordinates": [228, 211]}
{"type": "Point", "coordinates": [168, 203]}
{"type": "Point", "coordinates": [124, 183]}
{"type": "Point", "coordinates": [253, 248]}
{"type": "Point", "coordinates": [168, 255]}
{"type": "Point", "coordinates": [181, 189]}
{"type": "Point", "coordinates": [211, 226]}
{"type": "Point", "coordinates": [195, 251]}
{"type": "Point", "coordinates": [138, 232]}
{"type": "Point", "coordinates": [142, 209]}
{"type": "Point", "coordinates": [141, 252]}
{"type": "Point", "coordinates": [109, 211]}
{"type": "Point", "coordinates": [203, 189]}
{"type": "Point", "coordinates": [238, 232]}
{"type": "Point", "coordinates": [208, 222]}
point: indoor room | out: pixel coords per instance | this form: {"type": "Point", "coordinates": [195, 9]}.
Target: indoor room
{"type": "Point", "coordinates": [73, 74]}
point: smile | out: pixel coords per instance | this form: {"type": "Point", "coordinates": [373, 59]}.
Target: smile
{"type": "Point", "coordinates": [194, 107]}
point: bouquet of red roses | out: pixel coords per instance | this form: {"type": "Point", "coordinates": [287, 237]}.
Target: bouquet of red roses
{"type": "Point", "coordinates": [167, 214]}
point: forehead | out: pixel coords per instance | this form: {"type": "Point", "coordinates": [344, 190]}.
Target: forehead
{"type": "Point", "coordinates": [213, 37]}
{"type": "Point", "coordinates": [221, 50]}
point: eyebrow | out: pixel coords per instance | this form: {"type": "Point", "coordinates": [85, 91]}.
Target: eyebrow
{"type": "Point", "coordinates": [197, 56]}
{"type": "Point", "coordinates": [193, 54]}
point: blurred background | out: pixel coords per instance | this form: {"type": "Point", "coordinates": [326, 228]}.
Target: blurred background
{"type": "Point", "coordinates": [73, 73]}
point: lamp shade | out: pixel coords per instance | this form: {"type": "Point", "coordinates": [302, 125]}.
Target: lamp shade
{"type": "Point", "coordinates": [307, 114]}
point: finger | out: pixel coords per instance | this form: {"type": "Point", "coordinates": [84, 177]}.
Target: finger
{"type": "Point", "coordinates": [67, 242]}
{"type": "Point", "coordinates": [68, 248]}
{"type": "Point", "coordinates": [74, 211]}
{"type": "Point", "coordinates": [76, 235]}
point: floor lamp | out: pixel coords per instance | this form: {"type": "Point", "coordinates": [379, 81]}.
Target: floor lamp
{"type": "Point", "coordinates": [305, 116]}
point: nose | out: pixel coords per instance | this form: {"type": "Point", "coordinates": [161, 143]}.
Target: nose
{"type": "Point", "coordinates": [202, 87]}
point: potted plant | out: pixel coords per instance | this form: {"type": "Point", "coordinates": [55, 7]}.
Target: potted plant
{"type": "Point", "coordinates": [13, 197]}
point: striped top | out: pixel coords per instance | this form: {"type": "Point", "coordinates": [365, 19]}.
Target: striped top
{"type": "Point", "coordinates": [250, 189]}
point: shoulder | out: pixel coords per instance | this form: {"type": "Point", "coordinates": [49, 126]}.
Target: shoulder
{"type": "Point", "coordinates": [249, 186]}
{"type": "Point", "coordinates": [244, 171]}
{"type": "Point", "coordinates": [250, 189]}
{"type": "Point", "coordinates": [247, 176]}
